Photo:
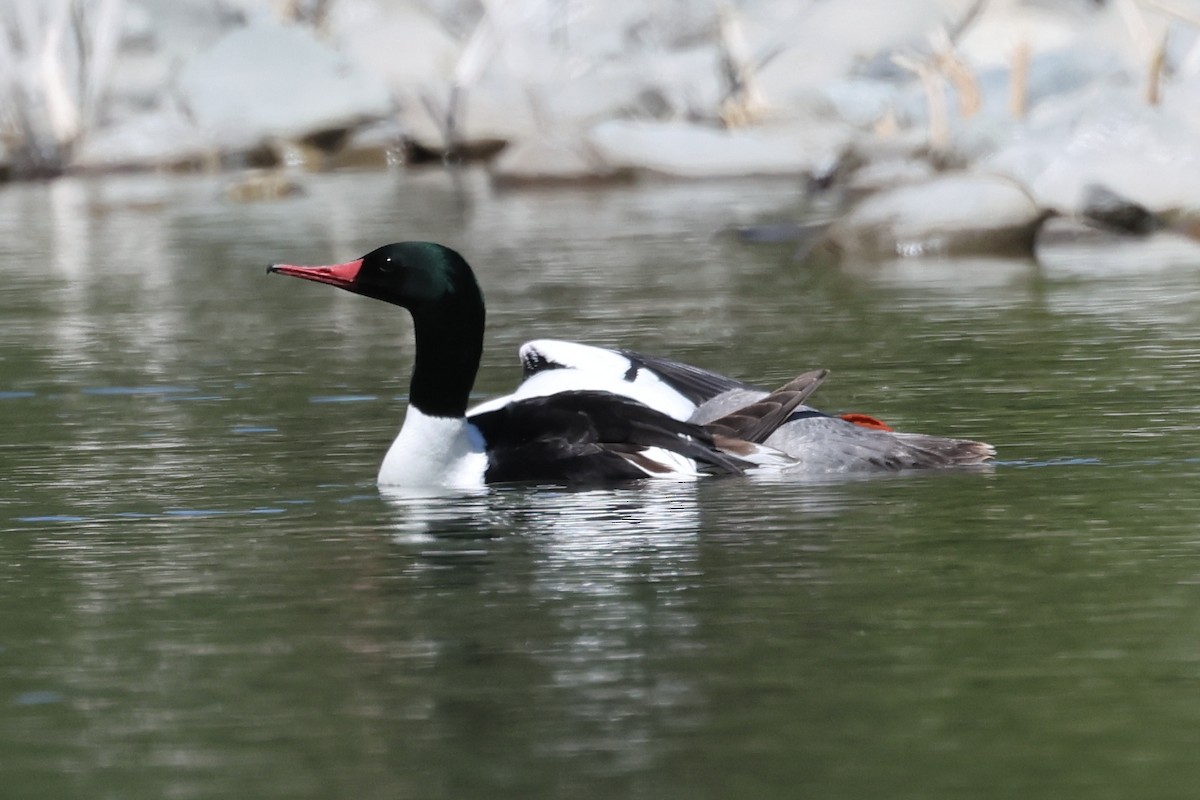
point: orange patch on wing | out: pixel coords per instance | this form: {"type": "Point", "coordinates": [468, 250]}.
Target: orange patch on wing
{"type": "Point", "coordinates": [867, 421]}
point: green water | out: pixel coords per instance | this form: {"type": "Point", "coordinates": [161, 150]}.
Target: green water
{"type": "Point", "coordinates": [203, 595]}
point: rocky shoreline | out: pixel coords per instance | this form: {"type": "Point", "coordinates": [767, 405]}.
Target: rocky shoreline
{"type": "Point", "coordinates": [937, 126]}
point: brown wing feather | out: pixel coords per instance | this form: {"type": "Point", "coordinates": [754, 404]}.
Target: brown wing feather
{"type": "Point", "coordinates": [755, 422]}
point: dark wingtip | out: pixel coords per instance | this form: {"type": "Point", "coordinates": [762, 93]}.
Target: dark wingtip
{"type": "Point", "coordinates": [938, 451]}
{"type": "Point", "coordinates": [270, 268]}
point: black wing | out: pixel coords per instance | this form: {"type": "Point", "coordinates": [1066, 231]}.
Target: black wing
{"type": "Point", "coordinates": [694, 383]}
{"type": "Point", "coordinates": [590, 437]}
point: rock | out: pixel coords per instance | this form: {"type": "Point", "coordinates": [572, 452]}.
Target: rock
{"type": "Point", "coordinates": [698, 151]}
{"type": "Point", "coordinates": [688, 80]}
{"type": "Point", "coordinates": [552, 160]}
{"type": "Point", "coordinates": [883, 175]}
{"type": "Point", "coordinates": [1077, 247]}
{"type": "Point", "coordinates": [953, 214]}
{"type": "Point", "coordinates": [1005, 25]}
{"type": "Point", "coordinates": [1050, 78]}
{"type": "Point", "coordinates": [262, 185]}
{"type": "Point", "coordinates": [180, 28]}
{"type": "Point", "coordinates": [861, 101]}
{"type": "Point", "coordinates": [139, 81]}
{"type": "Point", "coordinates": [159, 138]}
{"type": "Point", "coordinates": [1110, 210]}
{"type": "Point", "coordinates": [490, 115]}
{"type": "Point", "coordinates": [1149, 155]}
{"type": "Point", "coordinates": [269, 80]}
{"type": "Point", "coordinates": [378, 145]}
{"type": "Point", "coordinates": [141, 72]}
{"type": "Point", "coordinates": [518, 85]}
{"type": "Point", "coordinates": [626, 75]}
{"type": "Point", "coordinates": [825, 42]}
{"type": "Point", "coordinates": [401, 43]}
{"type": "Point", "coordinates": [503, 109]}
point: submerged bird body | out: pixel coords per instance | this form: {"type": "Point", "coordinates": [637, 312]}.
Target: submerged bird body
{"type": "Point", "coordinates": [587, 415]}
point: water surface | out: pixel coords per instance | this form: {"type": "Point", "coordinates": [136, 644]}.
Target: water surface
{"type": "Point", "coordinates": [203, 594]}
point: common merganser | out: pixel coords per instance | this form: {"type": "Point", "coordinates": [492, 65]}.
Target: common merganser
{"type": "Point", "coordinates": [549, 430]}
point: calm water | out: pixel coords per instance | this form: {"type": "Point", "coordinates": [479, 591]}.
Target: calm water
{"type": "Point", "coordinates": [203, 595]}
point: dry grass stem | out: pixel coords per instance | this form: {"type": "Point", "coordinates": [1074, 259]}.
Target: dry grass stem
{"type": "Point", "coordinates": [1154, 72]}
{"type": "Point", "coordinates": [1018, 85]}
{"type": "Point", "coordinates": [935, 97]}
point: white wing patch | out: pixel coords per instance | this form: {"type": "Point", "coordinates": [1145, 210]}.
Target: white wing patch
{"type": "Point", "coordinates": [667, 465]}
{"type": "Point", "coordinates": [581, 367]}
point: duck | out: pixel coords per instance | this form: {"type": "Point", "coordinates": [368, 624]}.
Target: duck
{"type": "Point", "coordinates": [587, 415]}
{"type": "Point", "coordinates": [562, 427]}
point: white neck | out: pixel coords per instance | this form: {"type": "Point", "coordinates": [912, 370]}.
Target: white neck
{"type": "Point", "coordinates": [434, 451]}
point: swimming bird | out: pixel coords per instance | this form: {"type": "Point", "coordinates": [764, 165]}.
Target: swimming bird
{"type": "Point", "coordinates": [548, 431]}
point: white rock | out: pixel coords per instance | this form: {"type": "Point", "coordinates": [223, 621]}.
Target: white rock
{"type": "Point", "coordinates": [138, 82]}
{"type": "Point", "coordinates": [953, 214]}
{"type": "Point", "coordinates": [400, 42]}
{"type": "Point", "coordinates": [492, 111]}
{"type": "Point", "coordinates": [1005, 25]}
{"type": "Point", "coordinates": [1052, 78]}
{"type": "Point", "coordinates": [698, 151]}
{"type": "Point", "coordinates": [506, 106]}
{"type": "Point", "coordinates": [1068, 246]}
{"type": "Point", "coordinates": [581, 102]}
{"type": "Point", "coordinates": [268, 80]}
{"type": "Point", "coordinates": [183, 28]}
{"type": "Point", "coordinates": [887, 174]}
{"type": "Point", "coordinates": [1181, 101]}
{"type": "Point", "coordinates": [412, 53]}
{"type": "Point", "coordinates": [137, 27]}
{"type": "Point", "coordinates": [822, 42]}
{"type": "Point", "coordinates": [688, 79]}
{"type": "Point", "coordinates": [549, 160]}
{"type": "Point", "coordinates": [158, 138]}
{"type": "Point", "coordinates": [861, 101]}
{"type": "Point", "coordinates": [1148, 155]}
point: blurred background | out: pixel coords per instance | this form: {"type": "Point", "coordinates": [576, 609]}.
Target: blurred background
{"type": "Point", "coordinates": [966, 123]}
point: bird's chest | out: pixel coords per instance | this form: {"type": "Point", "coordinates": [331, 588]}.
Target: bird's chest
{"type": "Point", "coordinates": [434, 451]}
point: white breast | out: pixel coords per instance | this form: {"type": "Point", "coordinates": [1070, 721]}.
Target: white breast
{"type": "Point", "coordinates": [434, 451]}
